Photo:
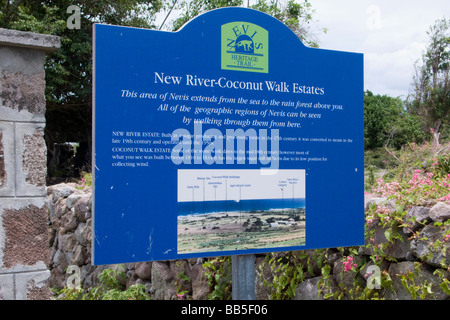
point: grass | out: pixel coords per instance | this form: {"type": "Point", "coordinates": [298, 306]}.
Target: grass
{"type": "Point", "coordinates": [234, 231]}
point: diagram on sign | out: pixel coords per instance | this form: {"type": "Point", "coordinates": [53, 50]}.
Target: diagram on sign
{"type": "Point", "coordinates": [227, 210]}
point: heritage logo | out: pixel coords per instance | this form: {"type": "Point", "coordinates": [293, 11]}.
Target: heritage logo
{"type": "Point", "coordinates": [245, 47]}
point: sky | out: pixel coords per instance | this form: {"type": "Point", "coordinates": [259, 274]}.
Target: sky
{"type": "Point", "coordinates": [391, 35]}
{"type": "Point", "coordinates": [193, 185]}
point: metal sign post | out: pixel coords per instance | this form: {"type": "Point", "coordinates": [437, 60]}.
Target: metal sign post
{"type": "Point", "coordinates": [243, 277]}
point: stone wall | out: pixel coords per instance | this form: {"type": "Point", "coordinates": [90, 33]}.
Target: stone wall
{"type": "Point", "coordinates": [415, 253]}
{"type": "Point", "coordinates": [70, 244]}
{"type": "Point", "coordinates": [70, 241]}
{"type": "Point", "coordinates": [23, 207]}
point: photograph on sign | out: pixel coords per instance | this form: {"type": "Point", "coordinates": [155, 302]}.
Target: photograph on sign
{"type": "Point", "coordinates": [227, 137]}
{"type": "Point", "coordinates": [222, 210]}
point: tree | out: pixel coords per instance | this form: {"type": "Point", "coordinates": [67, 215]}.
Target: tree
{"type": "Point", "coordinates": [191, 9]}
{"type": "Point", "coordinates": [431, 97]}
{"type": "Point", "coordinates": [68, 71]}
{"type": "Point", "coordinates": [295, 15]}
{"type": "Point", "coordinates": [386, 122]}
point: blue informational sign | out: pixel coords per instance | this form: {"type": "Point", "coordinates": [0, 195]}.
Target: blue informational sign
{"type": "Point", "coordinates": [227, 137]}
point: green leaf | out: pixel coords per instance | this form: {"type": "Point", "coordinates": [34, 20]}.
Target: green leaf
{"type": "Point", "coordinates": [429, 289]}
{"type": "Point", "coordinates": [388, 234]}
{"type": "Point", "coordinates": [326, 271]}
{"type": "Point", "coordinates": [310, 269]}
{"type": "Point", "coordinates": [444, 286]}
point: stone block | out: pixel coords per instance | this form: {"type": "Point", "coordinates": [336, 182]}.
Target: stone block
{"type": "Point", "coordinates": [440, 212]}
{"type": "Point", "coordinates": [25, 39]}
{"type": "Point", "coordinates": [22, 84]}
{"type": "Point", "coordinates": [315, 288]}
{"type": "Point", "coordinates": [32, 285]}
{"type": "Point", "coordinates": [417, 274]}
{"type": "Point", "coordinates": [163, 287]}
{"type": "Point", "coordinates": [6, 287]}
{"type": "Point", "coordinates": [431, 246]}
{"type": "Point", "coordinates": [23, 235]}
{"type": "Point", "coordinates": [421, 216]}
{"type": "Point", "coordinates": [31, 160]}
{"type": "Point", "coordinates": [7, 159]}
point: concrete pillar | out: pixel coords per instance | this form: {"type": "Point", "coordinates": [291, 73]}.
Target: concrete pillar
{"type": "Point", "coordinates": [24, 249]}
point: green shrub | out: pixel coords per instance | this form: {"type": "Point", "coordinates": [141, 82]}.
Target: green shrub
{"type": "Point", "coordinates": [218, 273]}
{"type": "Point", "coordinates": [109, 289]}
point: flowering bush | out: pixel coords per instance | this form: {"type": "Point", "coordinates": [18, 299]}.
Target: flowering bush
{"type": "Point", "coordinates": [422, 186]}
{"type": "Point", "coordinates": [387, 189]}
{"type": "Point", "coordinates": [422, 173]}
{"type": "Point", "coordinates": [348, 264]}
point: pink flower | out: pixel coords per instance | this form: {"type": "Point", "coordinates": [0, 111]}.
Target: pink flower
{"type": "Point", "coordinates": [348, 265]}
{"type": "Point", "coordinates": [447, 237]}
{"type": "Point", "coordinates": [445, 198]}
{"type": "Point", "coordinates": [435, 163]}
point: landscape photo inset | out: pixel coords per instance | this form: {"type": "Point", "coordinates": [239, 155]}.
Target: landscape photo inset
{"type": "Point", "coordinates": [226, 210]}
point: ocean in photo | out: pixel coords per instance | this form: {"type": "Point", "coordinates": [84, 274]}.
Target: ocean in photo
{"type": "Point", "coordinates": [203, 207]}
